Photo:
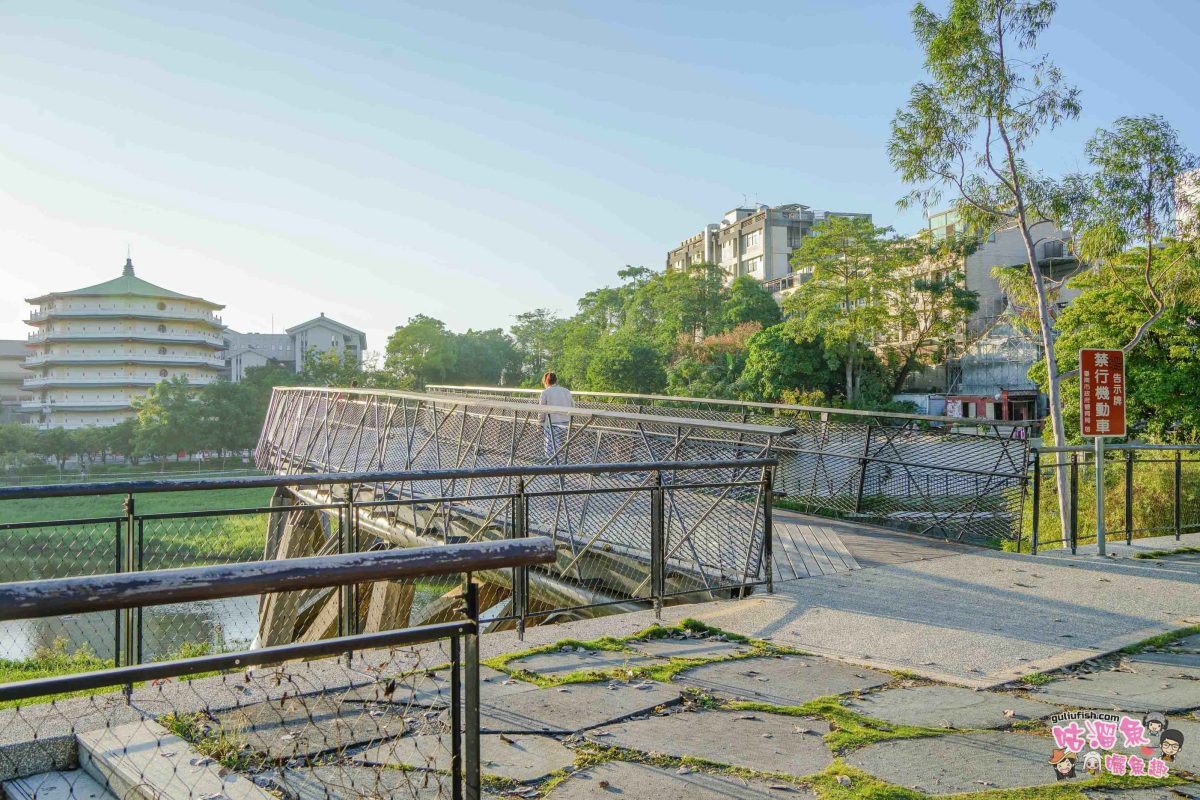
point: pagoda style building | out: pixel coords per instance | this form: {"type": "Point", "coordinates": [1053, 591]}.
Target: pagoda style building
{"type": "Point", "coordinates": [95, 349]}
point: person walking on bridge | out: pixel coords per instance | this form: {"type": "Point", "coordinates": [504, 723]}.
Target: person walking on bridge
{"type": "Point", "coordinates": [555, 425]}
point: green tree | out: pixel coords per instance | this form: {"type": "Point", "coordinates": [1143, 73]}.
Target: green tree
{"type": "Point", "coordinates": [93, 443]}
{"type": "Point", "coordinates": [845, 301]}
{"type": "Point", "coordinates": [1129, 199]}
{"type": "Point", "coordinates": [578, 349]}
{"type": "Point", "coordinates": [968, 127]}
{"type": "Point", "coordinates": [329, 368]}
{"type": "Point", "coordinates": [681, 302]}
{"type": "Point", "coordinates": [624, 362]}
{"type": "Point", "coordinates": [485, 358]}
{"type": "Point", "coordinates": [56, 443]}
{"type": "Point", "coordinates": [537, 336]}
{"type": "Point", "coordinates": [168, 419]}
{"type": "Point", "coordinates": [1163, 370]}
{"type": "Point", "coordinates": [710, 368]}
{"type": "Point", "coordinates": [778, 366]}
{"type": "Point", "coordinates": [421, 351]}
{"type": "Point", "coordinates": [929, 305]}
{"type": "Point", "coordinates": [748, 301]}
{"type": "Point", "coordinates": [122, 438]}
{"type": "Point", "coordinates": [17, 438]}
{"type": "Point", "coordinates": [228, 420]}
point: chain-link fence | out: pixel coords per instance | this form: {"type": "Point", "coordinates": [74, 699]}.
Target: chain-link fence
{"type": "Point", "coordinates": [1149, 490]}
{"type": "Point", "coordinates": [955, 478]}
{"type": "Point", "coordinates": [386, 714]}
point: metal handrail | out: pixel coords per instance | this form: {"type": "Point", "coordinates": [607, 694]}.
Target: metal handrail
{"type": "Point", "coordinates": [444, 399]}
{"type": "Point", "coordinates": [787, 407]}
{"type": "Point", "coordinates": [59, 596]}
{"type": "Point", "coordinates": [314, 478]}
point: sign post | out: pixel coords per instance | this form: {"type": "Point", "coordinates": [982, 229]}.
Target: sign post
{"type": "Point", "coordinates": [1101, 412]}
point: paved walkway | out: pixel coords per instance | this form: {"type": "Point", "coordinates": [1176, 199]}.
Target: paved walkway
{"type": "Point", "coordinates": [953, 613]}
{"type": "Point", "coordinates": [809, 547]}
{"type": "Point", "coordinates": [1115, 547]}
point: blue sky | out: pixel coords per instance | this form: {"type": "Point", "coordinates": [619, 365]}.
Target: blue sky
{"type": "Point", "coordinates": [470, 160]}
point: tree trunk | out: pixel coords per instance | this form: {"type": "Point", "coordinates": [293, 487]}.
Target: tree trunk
{"type": "Point", "coordinates": [1053, 383]}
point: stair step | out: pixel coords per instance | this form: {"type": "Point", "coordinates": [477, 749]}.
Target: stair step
{"type": "Point", "coordinates": [145, 761]}
{"type": "Point", "coordinates": [73, 785]}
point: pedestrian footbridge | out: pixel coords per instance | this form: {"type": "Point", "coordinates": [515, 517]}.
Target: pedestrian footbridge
{"type": "Point", "coordinates": [649, 500]}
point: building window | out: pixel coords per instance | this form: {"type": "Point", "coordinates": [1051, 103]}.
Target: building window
{"type": "Point", "coordinates": [752, 240]}
{"type": "Point", "coordinates": [162, 373]}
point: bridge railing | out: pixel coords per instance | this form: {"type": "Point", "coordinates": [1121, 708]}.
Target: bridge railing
{"type": "Point", "coordinates": [302, 719]}
{"type": "Point", "coordinates": [907, 471]}
{"type": "Point", "coordinates": [628, 536]}
{"type": "Point", "coordinates": [1149, 490]}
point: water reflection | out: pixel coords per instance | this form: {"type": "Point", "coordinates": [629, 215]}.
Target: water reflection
{"type": "Point", "coordinates": [207, 626]}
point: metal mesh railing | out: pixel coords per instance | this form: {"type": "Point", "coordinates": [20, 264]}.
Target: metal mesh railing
{"type": "Point", "coordinates": [386, 714]}
{"type": "Point", "coordinates": [908, 471]}
{"type": "Point", "coordinates": [628, 536]}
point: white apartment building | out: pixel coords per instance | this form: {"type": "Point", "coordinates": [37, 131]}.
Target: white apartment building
{"type": "Point", "coordinates": [321, 335]}
{"type": "Point", "coordinates": [756, 241]}
{"type": "Point", "coordinates": [94, 350]}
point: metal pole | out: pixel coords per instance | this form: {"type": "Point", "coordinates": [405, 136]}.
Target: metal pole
{"type": "Point", "coordinates": [471, 720]}
{"type": "Point", "coordinates": [520, 529]}
{"type": "Point", "coordinates": [862, 470]}
{"type": "Point", "coordinates": [657, 549]}
{"type": "Point", "coordinates": [1099, 495]}
{"type": "Point", "coordinates": [1037, 500]}
{"type": "Point", "coordinates": [129, 645]}
{"type": "Point", "coordinates": [1128, 497]}
{"type": "Point", "coordinates": [768, 523]}
{"type": "Point", "coordinates": [1178, 494]}
{"type": "Point", "coordinates": [456, 732]}
{"type": "Point", "coordinates": [348, 530]}
{"type": "Point", "coordinates": [1074, 502]}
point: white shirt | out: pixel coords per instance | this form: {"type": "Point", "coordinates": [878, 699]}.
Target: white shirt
{"type": "Point", "coordinates": [559, 397]}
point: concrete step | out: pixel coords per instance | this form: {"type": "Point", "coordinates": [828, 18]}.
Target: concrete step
{"type": "Point", "coordinates": [72, 785]}
{"type": "Point", "coordinates": [145, 761]}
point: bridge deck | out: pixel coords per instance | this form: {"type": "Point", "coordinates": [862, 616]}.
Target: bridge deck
{"type": "Point", "coordinates": [808, 547]}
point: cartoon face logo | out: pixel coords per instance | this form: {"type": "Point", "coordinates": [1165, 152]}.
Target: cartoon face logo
{"type": "Point", "coordinates": [1171, 743]}
{"type": "Point", "coordinates": [1091, 763]}
{"type": "Point", "coordinates": [1063, 762]}
{"type": "Point", "coordinates": [1155, 723]}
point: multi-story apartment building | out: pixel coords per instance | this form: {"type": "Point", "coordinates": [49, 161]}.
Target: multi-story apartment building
{"type": "Point", "coordinates": [12, 375]}
{"type": "Point", "coordinates": [94, 350]}
{"type": "Point", "coordinates": [756, 241]}
{"type": "Point", "coordinates": [989, 375]}
{"type": "Point", "coordinates": [320, 335]}
{"type": "Point", "coordinates": [1005, 248]}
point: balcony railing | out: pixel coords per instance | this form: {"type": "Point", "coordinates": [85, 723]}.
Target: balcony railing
{"type": "Point", "coordinates": [101, 358]}
{"type": "Point", "coordinates": [108, 380]}
{"type": "Point", "coordinates": [183, 336]}
{"type": "Point", "coordinates": [62, 313]}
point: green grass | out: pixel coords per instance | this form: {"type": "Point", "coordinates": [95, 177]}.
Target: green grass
{"type": "Point", "coordinates": [1167, 553]}
{"type": "Point", "coordinates": [88, 547]}
{"type": "Point", "coordinates": [1162, 640]}
{"type": "Point", "coordinates": [1037, 678]}
{"type": "Point", "coordinates": [658, 672]}
{"type": "Point", "coordinates": [57, 659]}
{"type": "Point", "coordinates": [848, 730]}
{"type": "Point", "coordinates": [227, 748]}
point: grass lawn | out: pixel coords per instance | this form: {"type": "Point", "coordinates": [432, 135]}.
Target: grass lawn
{"type": "Point", "coordinates": [89, 547]}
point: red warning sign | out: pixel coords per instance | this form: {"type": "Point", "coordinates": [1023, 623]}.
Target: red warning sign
{"type": "Point", "coordinates": [1102, 392]}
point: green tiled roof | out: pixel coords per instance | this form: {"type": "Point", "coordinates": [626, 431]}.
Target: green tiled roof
{"type": "Point", "coordinates": [126, 285]}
